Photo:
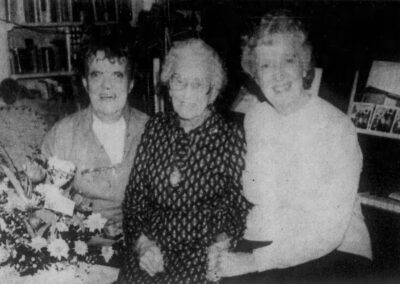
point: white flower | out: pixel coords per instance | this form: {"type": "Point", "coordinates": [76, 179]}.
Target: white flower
{"type": "Point", "coordinates": [107, 253]}
{"type": "Point", "coordinates": [58, 248]}
{"type": "Point", "coordinates": [4, 185]}
{"type": "Point", "coordinates": [3, 225]}
{"type": "Point", "coordinates": [4, 254]}
{"type": "Point", "coordinates": [61, 227]}
{"type": "Point", "coordinates": [62, 165]}
{"type": "Point", "coordinates": [95, 221]}
{"type": "Point", "coordinates": [47, 189]}
{"type": "Point", "coordinates": [38, 243]}
{"type": "Point", "coordinates": [14, 202]}
{"type": "Point", "coordinates": [81, 248]}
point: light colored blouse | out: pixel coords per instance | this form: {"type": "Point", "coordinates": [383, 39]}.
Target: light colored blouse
{"type": "Point", "coordinates": [302, 174]}
{"type": "Point", "coordinates": [112, 137]}
{"type": "Point", "coordinates": [97, 179]}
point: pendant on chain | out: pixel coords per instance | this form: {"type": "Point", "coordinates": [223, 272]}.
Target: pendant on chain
{"type": "Point", "coordinates": [175, 177]}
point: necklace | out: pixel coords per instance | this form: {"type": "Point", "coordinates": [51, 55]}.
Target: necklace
{"type": "Point", "coordinates": [182, 145]}
{"type": "Point", "coordinates": [175, 177]}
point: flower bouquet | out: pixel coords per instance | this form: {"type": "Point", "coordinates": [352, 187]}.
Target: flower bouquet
{"type": "Point", "coordinates": [39, 224]}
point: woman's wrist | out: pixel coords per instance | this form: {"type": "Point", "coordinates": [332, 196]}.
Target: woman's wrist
{"type": "Point", "coordinates": [143, 243]}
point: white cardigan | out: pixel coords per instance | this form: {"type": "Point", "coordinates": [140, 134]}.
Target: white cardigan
{"type": "Point", "coordinates": [302, 174]}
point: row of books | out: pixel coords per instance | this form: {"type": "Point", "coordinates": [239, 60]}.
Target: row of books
{"type": "Point", "coordinates": [374, 117]}
{"type": "Point", "coordinates": [56, 11]}
{"type": "Point", "coordinates": [38, 59]}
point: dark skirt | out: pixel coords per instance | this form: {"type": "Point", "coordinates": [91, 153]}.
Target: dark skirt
{"type": "Point", "coordinates": [336, 267]}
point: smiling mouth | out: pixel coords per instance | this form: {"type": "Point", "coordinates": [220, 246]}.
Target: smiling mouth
{"type": "Point", "coordinates": [278, 89]}
{"type": "Point", "coordinates": [107, 97]}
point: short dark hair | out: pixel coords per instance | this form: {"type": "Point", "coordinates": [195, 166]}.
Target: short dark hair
{"type": "Point", "coordinates": [114, 42]}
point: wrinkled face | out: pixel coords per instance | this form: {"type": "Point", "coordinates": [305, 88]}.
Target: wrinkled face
{"type": "Point", "coordinates": [108, 85]}
{"type": "Point", "coordinates": [279, 71]}
{"type": "Point", "coordinates": [190, 89]}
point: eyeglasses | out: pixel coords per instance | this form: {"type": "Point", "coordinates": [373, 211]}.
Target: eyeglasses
{"type": "Point", "coordinates": [177, 83]}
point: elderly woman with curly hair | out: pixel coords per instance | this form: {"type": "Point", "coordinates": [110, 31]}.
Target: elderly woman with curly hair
{"type": "Point", "coordinates": [184, 195]}
{"type": "Point", "coordinates": [302, 172]}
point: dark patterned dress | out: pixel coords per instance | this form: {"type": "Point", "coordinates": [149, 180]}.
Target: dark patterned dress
{"type": "Point", "coordinates": [184, 190]}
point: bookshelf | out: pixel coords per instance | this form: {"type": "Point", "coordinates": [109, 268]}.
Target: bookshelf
{"type": "Point", "coordinates": [42, 75]}
{"type": "Point", "coordinates": [42, 40]}
{"type": "Point", "coordinates": [375, 110]}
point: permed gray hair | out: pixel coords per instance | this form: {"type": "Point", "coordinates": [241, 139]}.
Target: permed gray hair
{"type": "Point", "coordinates": [196, 48]}
{"type": "Point", "coordinates": [279, 22]}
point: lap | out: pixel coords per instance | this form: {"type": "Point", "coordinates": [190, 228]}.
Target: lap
{"type": "Point", "coordinates": [187, 266]}
{"type": "Point", "coordinates": [332, 268]}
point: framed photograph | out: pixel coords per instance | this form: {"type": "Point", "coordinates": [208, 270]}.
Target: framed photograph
{"type": "Point", "coordinates": [361, 114]}
{"type": "Point", "coordinates": [383, 118]}
{"type": "Point", "coordinates": [396, 123]}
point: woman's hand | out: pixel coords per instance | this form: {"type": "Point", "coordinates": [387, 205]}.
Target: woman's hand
{"type": "Point", "coordinates": [221, 244]}
{"type": "Point", "coordinates": [113, 228]}
{"type": "Point", "coordinates": [34, 171]}
{"type": "Point", "coordinates": [150, 256]}
{"type": "Point", "coordinates": [232, 264]}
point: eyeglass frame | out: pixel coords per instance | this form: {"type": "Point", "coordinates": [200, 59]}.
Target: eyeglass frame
{"type": "Point", "coordinates": [200, 86]}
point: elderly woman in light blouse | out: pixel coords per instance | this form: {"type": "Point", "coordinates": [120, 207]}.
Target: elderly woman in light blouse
{"type": "Point", "coordinates": [184, 195]}
{"type": "Point", "coordinates": [302, 171]}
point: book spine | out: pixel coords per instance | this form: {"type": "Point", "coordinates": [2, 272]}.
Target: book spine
{"type": "Point", "coordinates": [95, 16]}
{"type": "Point", "coordinates": [46, 5]}
{"type": "Point", "coordinates": [7, 6]}
{"type": "Point", "coordinates": [69, 4]}
{"type": "Point", "coordinates": [59, 11]}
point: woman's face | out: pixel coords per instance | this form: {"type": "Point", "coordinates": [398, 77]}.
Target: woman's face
{"type": "Point", "coordinates": [108, 85]}
{"type": "Point", "coordinates": [279, 71]}
{"type": "Point", "coordinates": [190, 89]}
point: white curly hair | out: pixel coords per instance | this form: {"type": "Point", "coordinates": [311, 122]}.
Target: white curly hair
{"type": "Point", "coordinates": [198, 49]}
{"type": "Point", "coordinates": [278, 22]}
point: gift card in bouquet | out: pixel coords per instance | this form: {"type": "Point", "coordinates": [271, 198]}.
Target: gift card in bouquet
{"type": "Point", "coordinates": [59, 203]}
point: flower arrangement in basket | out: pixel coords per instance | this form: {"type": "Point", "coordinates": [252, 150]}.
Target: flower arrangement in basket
{"type": "Point", "coordinates": [39, 224]}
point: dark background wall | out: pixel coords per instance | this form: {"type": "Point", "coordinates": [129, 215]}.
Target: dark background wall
{"type": "Point", "coordinates": [346, 36]}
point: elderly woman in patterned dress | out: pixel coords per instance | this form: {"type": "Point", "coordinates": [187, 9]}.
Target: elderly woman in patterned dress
{"type": "Point", "coordinates": [184, 193]}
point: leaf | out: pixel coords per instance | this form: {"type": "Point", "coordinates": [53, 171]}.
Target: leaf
{"type": "Point", "coordinates": [46, 216]}
{"type": "Point", "coordinates": [17, 186]}
{"type": "Point", "coordinates": [6, 159]}
{"type": "Point", "coordinates": [29, 228]}
{"type": "Point", "coordinates": [99, 241]}
{"type": "Point", "coordinates": [42, 230]}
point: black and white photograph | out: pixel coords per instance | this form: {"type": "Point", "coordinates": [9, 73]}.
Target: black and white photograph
{"type": "Point", "coordinates": [199, 141]}
{"type": "Point", "coordinates": [396, 123]}
{"type": "Point", "coordinates": [361, 114]}
{"type": "Point", "coordinates": [383, 118]}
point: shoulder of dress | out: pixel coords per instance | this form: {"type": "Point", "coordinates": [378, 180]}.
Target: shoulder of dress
{"type": "Point", "coordinates": [230, 129]}
{"type": "Point", "coordinates": [71, 121]}
{"type": "Point", "coordinates": [329, 114]}
{"type": "Point", "coordinates": [139, 116]}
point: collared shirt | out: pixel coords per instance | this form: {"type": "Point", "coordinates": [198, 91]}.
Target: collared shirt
{"type": "Point", "coordinates": [96, 178]}
{"type": "Point", "coordinates": [302, 174]}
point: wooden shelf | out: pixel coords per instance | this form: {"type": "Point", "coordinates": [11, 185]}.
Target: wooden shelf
{"type": "Point", "coordinates": [42, 75]}
{"type": "Point", "coordinates": [63, 24]}
{"type": "Point", "coordinates": [378, 133]}
{"type": "Point", "coordinates": [379, 202]}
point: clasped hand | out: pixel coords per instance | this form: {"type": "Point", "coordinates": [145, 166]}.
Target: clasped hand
{"type": "Point", "coordinates": [223, 263]}
{"type": "Point", "coordinates": [150, 256]}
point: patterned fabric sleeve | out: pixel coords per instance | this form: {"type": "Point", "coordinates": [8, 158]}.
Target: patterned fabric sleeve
{"type": "Point", "coordinates": [235, 205]}
{"type": "Point", "coordinates": [135, 204]}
